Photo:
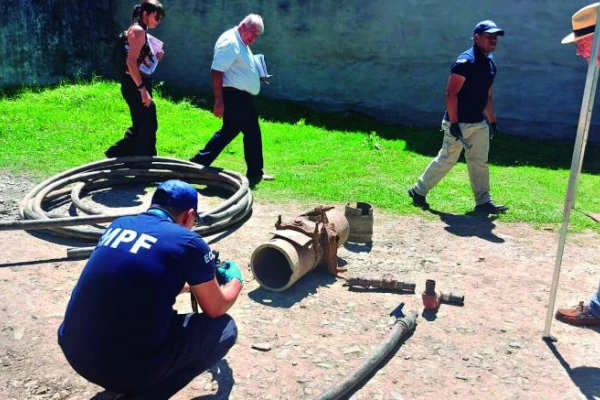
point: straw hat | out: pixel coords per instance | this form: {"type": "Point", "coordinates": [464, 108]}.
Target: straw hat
{"type": "Point", "coordinates": [584, 23]}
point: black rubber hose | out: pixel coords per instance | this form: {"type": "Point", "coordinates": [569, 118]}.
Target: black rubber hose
{"type": "Point", "coordinates": [69, 186]}
{"type": "Point", "coordinates": [401, 327]}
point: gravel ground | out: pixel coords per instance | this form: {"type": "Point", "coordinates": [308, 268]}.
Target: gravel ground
{"type": "Point", "coordinates": [296, 344]}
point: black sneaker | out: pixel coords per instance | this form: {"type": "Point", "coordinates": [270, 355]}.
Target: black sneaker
{"type": "Point", "coordinates": [490, 208]}
{"type": "Point", "coordinates": [418, 200]}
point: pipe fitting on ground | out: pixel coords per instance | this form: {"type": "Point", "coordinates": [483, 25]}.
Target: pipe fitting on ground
{"type": "Point", "coordinates": [298, 246]}
{"type": "Point", "coordinates": [360, 219]}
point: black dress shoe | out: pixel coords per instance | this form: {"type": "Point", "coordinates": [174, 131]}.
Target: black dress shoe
{"type": "Point", "coordinates": [196, 160]}
{"type": "Point", "coordinates": [418, 200]}
{"type": "Point", "coordinates": [490, 208]}
{"type": "Point", "coordinates": [254, 180]}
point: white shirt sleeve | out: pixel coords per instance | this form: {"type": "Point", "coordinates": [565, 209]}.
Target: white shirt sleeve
{"type": "Point", "coordinates": [224, 57]}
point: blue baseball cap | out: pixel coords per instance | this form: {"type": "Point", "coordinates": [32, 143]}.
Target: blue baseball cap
{"type": "Point", "coordinates": [488, 26]}
{"type": "Point", "coordinates": [177, 194]}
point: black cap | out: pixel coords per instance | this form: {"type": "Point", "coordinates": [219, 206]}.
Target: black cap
{"type": "Point", "coordinates": [488, 26]}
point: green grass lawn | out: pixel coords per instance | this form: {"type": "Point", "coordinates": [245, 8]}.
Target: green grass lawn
{"type": "Point", "coordinates": [343, 157]}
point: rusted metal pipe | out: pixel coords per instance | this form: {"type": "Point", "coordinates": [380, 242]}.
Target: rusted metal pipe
{"type": "Point", "coordinates": [340, 224]}
{"type": "Point", "coordinates": [385, 282]}
{"type": "Point", "coordinates": [279, 263]}
{"type": "Point", "coordinates": [332, 217]}
{"type": "Point", "coordinates": [298, 246]}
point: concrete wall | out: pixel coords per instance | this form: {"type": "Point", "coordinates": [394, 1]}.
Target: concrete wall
{"type": "Point", "coordinates": [44, 41]}
{"type": "Point", "coordinates": [388, 58]}
{"type": "Point", "coordinates": [391, 58]}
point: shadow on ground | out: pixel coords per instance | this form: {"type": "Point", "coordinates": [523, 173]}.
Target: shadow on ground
{"type": "Point", "coordinates": [223, 374]}
{"type": "Point", "coordinates": [304, 287]}
{"type": "Point", "coordinates": [469, 225]}
{"type": "Point", "coordinates": [358, 247]}
{"type": "Point", "coordinates": [506, 149]}
{"type": "Point", "coordinates": [587, 379]}
{"type": "Point", "coordinates": [120, 196]}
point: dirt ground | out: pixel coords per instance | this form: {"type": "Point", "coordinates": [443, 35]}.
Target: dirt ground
{"type": "Point", "coordinates": [318, 331]}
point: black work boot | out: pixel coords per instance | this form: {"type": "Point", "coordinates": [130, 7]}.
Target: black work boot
{"type": "Point", "coordinates": [490, 208]}
{"type": "Point", "coordinates": [418, 200]}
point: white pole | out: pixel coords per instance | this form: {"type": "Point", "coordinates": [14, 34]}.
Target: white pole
{"type": "Point", "coordinates": [585, 116]}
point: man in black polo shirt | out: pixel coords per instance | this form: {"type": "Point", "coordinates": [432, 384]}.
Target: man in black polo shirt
{"type": "Point", "coordinates": [469, 102]}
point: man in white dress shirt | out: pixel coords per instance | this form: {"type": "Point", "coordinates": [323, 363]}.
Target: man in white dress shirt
{"type": "Point", "coordinates": [235, 80]}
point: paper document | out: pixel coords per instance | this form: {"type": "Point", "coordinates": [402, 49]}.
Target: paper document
{"type": "Point", "coordinates": [155, 43]}
{"type": "Point", "coordinates": [150, 63]}
{"type": "Point", "coordinates": [261, 66]}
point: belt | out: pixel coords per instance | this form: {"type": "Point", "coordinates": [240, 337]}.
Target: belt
{"type": "Point", "coordinates": [142, 75]}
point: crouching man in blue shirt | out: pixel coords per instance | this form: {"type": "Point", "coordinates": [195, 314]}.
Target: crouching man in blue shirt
{"type": "Point", "coordinates": [120, 330]}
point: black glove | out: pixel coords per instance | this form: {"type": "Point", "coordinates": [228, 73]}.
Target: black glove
{"type": "Point", "coordinates": [455, 130]}
{"type": "Point", "coordinates": [493, 129]}
{"type": "Point", "coordinates": [219, 273]}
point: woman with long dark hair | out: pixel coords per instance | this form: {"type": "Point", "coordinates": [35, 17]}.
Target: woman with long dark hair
{"type": "Point", "coordinates": [136, 83]}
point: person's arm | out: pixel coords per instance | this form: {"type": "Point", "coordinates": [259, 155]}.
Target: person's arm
{"type": "Point", "coordinates": [136, 37]}
{"type": "Point", "coordinates": [455, 83]}
{"type": "Point", "coordinates": [489, 108]}
{"type": "Point", "coordinates": [215, 300]}
{"type": "Point", "coordinates": [217, 86]}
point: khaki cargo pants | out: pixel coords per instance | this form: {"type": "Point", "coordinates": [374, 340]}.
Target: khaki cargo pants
{"type": "Point", "coordinates": [477, 135]}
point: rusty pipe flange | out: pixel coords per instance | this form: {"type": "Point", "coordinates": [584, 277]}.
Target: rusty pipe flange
{"type": "Point", "coordinates": [70, 184]}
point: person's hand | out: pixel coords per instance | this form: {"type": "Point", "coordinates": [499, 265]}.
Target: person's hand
{"type": "Point", "coordinates": [146, 99]}
{"type": "Point", "coordinates": [159, 55]}
{"type": "Point", "coordinates": [219, 109]}
{"type": "Point", "coordinates": [455, 130]}
{"type": "Point", "coordinates": [227, 271]}
{"type": "Point", "coordinates": [493, 129]}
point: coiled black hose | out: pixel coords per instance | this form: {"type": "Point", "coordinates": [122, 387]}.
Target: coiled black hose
{"type": "Point", "coordinates": [69, 186]}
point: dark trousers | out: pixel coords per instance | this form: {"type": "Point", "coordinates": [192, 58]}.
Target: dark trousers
{"type": "Point", "coordinates": [140, 137]}
{"type": "Point", "coordinates": [196, 343]}
{"type": "Point", "coordinates": [239, 116]}
{"type": "Point", "coordinates": [203, 342]}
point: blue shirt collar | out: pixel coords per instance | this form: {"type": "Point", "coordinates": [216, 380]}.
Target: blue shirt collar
{"type": "Point", "coordinates": [161, 212]}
